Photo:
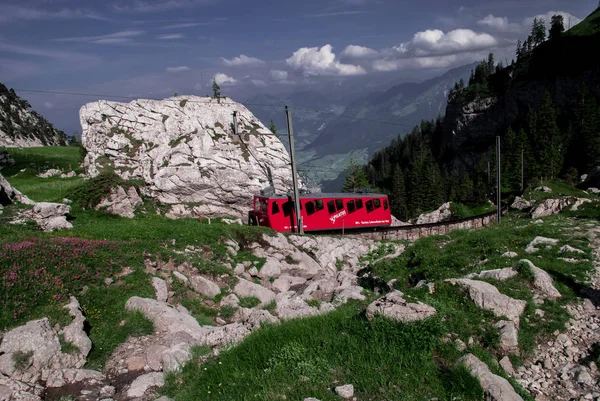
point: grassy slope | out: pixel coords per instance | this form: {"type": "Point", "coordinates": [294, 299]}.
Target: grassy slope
{"type": "Point", "coordinates": [301, 358]}
{"type": "Point", "coordinates": [589, 26]}
{"type": "Point", "coordinates": [37, 160]}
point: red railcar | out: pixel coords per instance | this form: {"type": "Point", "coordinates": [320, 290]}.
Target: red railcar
{"type": "Point", "coordinates": [321, 211]}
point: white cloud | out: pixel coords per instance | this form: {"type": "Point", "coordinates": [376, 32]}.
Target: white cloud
{"type": "Point", "coordinates": [120, 37]}
{"type": "Point", "coordinates": [48, 105]}
{"type": "Point", "coordinates": [258, 82]}
{"type": "Point", "coordinates": [354, 51]}
{"type": "Point", "coordinates": [241, 60]}
{"type": "Point", "coordinates": [312, 61]}
{"type": "Point", "coordinates": [500, 24]}
{"type": "Point", "coordinates": [428, 62]}
{"type": "Point", "coordinates": [13, 13]}
{"type": "Point", "coordinates": [187, 25]}
{"type": "Point", "coordinates": [173, 36]}
{"type": "Point", "coordinates": [436, 42]}
{"type": "Point", "coordinates": [278, 75]}
{"type": "Point", "coordinates": [181, 68]}
{"type": "Point", "coordinates": [150, 6]}
{"type": "Point", "coordinates": [224, 80]}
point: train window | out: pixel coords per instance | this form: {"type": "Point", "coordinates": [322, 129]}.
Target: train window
{"type": "Point", "coordinates": [331, 207]}
{"type": "Point", "coordinates": [339, 204]}
{"type": "Point", "coordinates": [319, 205]}
{"type": "Point", "coordinates": [358, 203]}
{"type": "Point", "coordinates": [287, 208]}
{"type": "Point", "coordinates": [370, 205]}
{"type": "Point", "coordinates": [385, 204]}
{"type": "Point", "coordinates": [350, 206]}
{"type": "Point", "coordinates": [263, 206]}
{"type": "Point", "coordinates": [275, 208]}
{"type": "Point", "coordinates": [310, 207]}
{"type": "Point", "coordinates": [377, 203]}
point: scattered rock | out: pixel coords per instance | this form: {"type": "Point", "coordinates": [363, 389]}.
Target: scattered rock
{"type": "Point", "coordinates": [520, 204]}
{"type": "Point", "coordinates": [509, 336]}
{"type": "Point", "coordinates": [570, 249]}
{"type": "Point", "coordinates": [49, 173]}
{"type": "Point", "coordinates": [531, 247]}
{"type": "Point", "coordinates": [290, 306]}
{"type": "Point", "coordinates": [346, 391]}
{"type": "Point", "coordinates": [204, 286]}
{"type": "Point", "coordinates": [544, 189]}
{"type": "Point", "coordinates": [145, 382]}
{"type": "Point", "coordinates": [496, 274]}
{"type": "Point", "coordinates": [75, 334]}
{"type": "Point", "coordinates": [555, 206]}
{"type": "Point", "coordinates": [50, 216]}
{"type": "Point", "coordinates": [510, 255]}
{"type": "Point", "coordinates": [121, 202]}
{"type": "Point", "coordinates": [486, 296]}
{"type": "Point", "coordinates": [394, 307]}
{"type": "Point", "coordinates": [497, 388]}
{"type": "Point", "coordinates": [542, 282]}
{"type": "Point", "coordinates": [245, 288]}
{"type": "Point", "coordinates": [507, 365]}
{"type": "Point", "coordinates": [160, 288]}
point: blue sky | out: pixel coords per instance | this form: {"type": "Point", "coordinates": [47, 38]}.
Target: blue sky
{"type": "Point", "coordinates": [155, 48]}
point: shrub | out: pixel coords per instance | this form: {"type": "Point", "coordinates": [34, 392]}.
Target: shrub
{"type": "Point", "coordinates": [90, 192]}
{"type": "Point", "coordinates": [249, 302]}
{"type": "Point", "coordinates": [21, 359]}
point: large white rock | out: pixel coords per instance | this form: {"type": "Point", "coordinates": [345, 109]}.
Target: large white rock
{"type": "Point", "coordinates": [185, 150]}
{"type": "Point", "coordinates": [520, 204]}
{"type": "Point", "coordinates": [145, 382]}
{"type": "Point", "coordinates": [555, 206]}
{"type": "Point", "coordinates": [121, 202]}
{"type": "Point", "coordinates": [496, 274]}
{"type": "Point", "coordinates": [8, 194]}
{"type": "Point", "coordinates": [486, 296]}
{"type": "Point", "coordinates": [497, 388]}
{"type": "Point", "coordinates": [245, 288]}
{"type": "Point", "coordinates": [443, 213]}
{"type": "Point", "coordinates": [204, 286]}
{"type": "Point", "coordinates": [542, 281]}
{"type": "Point", "coordinates": [393, 306]}
{"type": "Point", "coordinates": [51, 216]}
{"type": "Point", "coordinates": [75, 334]}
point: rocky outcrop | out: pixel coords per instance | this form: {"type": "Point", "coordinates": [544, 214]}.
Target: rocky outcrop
{"type": "Point", "coordinates": [495, 387]}
{"type": "Point", "coordinates": [520, 204]}
{"type": "Point", "coordinates": [532, 247]}
{"type": "Point", "coordinates": [8, 194]}
{"type": "Point", "coordinates": [394, 307]}
{"type": "Point", "coordinates": [543, 283]}
{"type": "Point", "coordinates": [121, 201]}
{"type": "Point", "coordinates": [23, 127]}
{"type": "Point", "coordinates": [486, 296]}
{"type": "Point", "coordinates": [555, 206]}
{"type": "Point", "coordinates": [51, 216]}
{"type": "Point", "coordinates": [186, 150]}
{"type": "Point", "coordinates": [443, 213]}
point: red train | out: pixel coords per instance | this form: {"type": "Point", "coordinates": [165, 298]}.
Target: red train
{"type": "Point", "coordinates": [321, 211]}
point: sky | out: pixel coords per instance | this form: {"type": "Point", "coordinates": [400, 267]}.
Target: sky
{"type": "Point", "coordinates": [155, 48]}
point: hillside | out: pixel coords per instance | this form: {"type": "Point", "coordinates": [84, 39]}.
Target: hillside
{"type": "Point", "coordinates": [22, 126]}
{"type": "Point", "coordinates": [134, 309]}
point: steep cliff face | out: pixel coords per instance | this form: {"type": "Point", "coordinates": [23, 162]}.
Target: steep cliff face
{"type": "Point", "coordinates": [185, 150]}
{"type": "Point", "coordinates": [21, 126]}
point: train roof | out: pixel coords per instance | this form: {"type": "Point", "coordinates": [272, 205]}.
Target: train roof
{"type": "Point", "coordinates": [323, 195]}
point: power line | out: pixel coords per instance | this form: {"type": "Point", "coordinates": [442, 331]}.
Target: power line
{"type": "Point", "coordinates": [222, 102]}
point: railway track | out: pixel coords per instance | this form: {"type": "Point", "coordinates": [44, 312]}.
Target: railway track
{"type": "Point", "coordinates": [414, 232]}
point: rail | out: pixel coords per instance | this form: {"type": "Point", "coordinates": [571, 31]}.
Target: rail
{"type": "Point", "coordinates": [414, 232]}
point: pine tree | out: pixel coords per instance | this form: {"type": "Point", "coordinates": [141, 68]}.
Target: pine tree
{"type": "Point", "coordinates": [557, 27]}
{"type": "Point", "coordinates": [398, 197]}
{"type": "Point", "coordinates": [355, 179]}
{"type": "Point", "coordinates": [587, 124]}
{"type": "Point", "coordinates": [538, 32]}
{"type": "Point", "coordinates": [551, 152]}
{"type": "Point", "coordinates": [273, 129]}
{"type": "Point", "coordinates": [216, 89]}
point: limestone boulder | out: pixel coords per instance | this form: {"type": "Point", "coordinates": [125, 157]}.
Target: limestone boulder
{"type": "Point", "coordinates": [543, 283]}
{"type": "Point", "coordinates": [204, 286]}
{"type": "Point", "coordinates": [395, 307]}
{"type": "Point", "coordinates": [290, 306]}
{"type": "Point", "coordinates": [533, 246]}
{"type": "Point", "coordinates": [497, 388]}
{"type": "Point", "coordinates": [144, 383]}
{"type": "Point", "coordinates": [245, 288]}
{"type": "Point", "coordinates": [121, 202]}
{"type": "Point", "coordinates": [443, 213]}
{"type": "Point", "coordinates": [75, 334]}
{"type": "Point", "coordinates": [51, 216]}
{"type": "Point", "coordinates": [496, 274]}
{"type": "Point", "coordinates": [486, 296]}
{"type": "Point", "coordinates": [520, 204]}
{"type": "Point", "coordinates": [8, 194]}
{"type": "Point", "coordinates": [509, 336]}
{"type": "Point", "coordinates": [186, 150]}
{"type": "Point", "coordinates": [555, 206]}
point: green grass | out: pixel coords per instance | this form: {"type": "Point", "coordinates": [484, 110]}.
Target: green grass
{"type": "Point", "coordinates": [460, 210]}
{"type": "Point", "coordinates": [589, 26]}
{"type": "Point", "coordinates": [307, 357]}
{"type": "Point", "coordinates": [559, 189]}
{"type": "Point", "coordinates": [38, 160]}
{"type": "Point", "coordinates": [249, 302]}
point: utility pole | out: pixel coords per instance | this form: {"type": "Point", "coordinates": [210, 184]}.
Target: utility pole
{"type": "Point", "coordinates": [235, 124]}
{"type": "Point", "coordinates": [499, 183]}
{"type": "Point", "coordinates": [299, 224]}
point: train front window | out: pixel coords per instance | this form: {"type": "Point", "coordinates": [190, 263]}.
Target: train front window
{"type": "Point", "coordinates": [350, 206]}
{"type": "Point", "coordinates": [339, 204]}
{"type": "Point", "coordinates": [263, 205]}
{"type": "Point", "coordinates": [370, 205]}
{"type": "Point", "coordinates": [385, 204]}
{"type": "Point", "coordinates": [310, 208]}
{"type": "Point", "coordinates": [287, 208]}
{"type": "Point", "coordinates": [319, 205]}
{"type": "Point", "coordinates": [377, 203]}
{"type": "Point", "coordinates": [275, 207]}
{"type": "Point", "coordinates": [331, 207]}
